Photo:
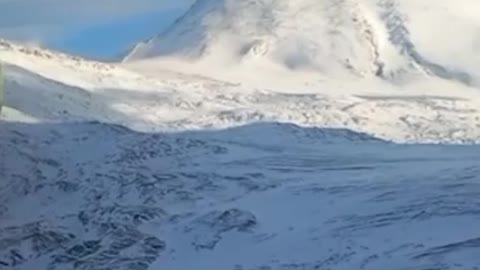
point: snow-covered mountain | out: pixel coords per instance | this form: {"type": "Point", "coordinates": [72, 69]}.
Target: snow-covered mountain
{"type": "Point", "coordinates": [384, 38]}
{"type": "Point", "coordinates": [47, 86]}
{"type": "Point", "coordinates": [136, 165]}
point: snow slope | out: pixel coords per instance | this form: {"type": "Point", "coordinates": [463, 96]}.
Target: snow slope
{"type": "Point", "coordinates": [262, 196]}
{"type": "Point", "coordinates": [334, 38]}
{"type": "Point", "coordinates": [46, 86]}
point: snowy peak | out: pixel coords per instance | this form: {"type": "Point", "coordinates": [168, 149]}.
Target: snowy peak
{"type": "Point", "coordinates": [364, 38]}
{"type": "Point", "coordinates": [310, 34]}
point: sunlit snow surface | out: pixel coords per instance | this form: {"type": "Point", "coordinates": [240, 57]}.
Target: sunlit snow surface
{"type": "Point", "coordinates": [261, 196]}
{"type": "Point", "coordinates": [269, 166]}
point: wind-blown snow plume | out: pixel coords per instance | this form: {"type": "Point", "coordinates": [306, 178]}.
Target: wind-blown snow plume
{"type": "Point", "coordinates": [333, 37]}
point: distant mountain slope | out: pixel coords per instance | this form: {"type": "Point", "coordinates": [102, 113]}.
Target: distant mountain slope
{"type": "Point", "coordinates": [384, 38]}
{"type": "Point", "coordinates": [46, 85]}
{"type": "Point", "coordinates": [323, 35]}
{"type": "Point", "coordinates": [42, 86]}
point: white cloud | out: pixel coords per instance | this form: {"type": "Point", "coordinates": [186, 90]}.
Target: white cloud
{"type": "Point", "coordinates": [40, 20]}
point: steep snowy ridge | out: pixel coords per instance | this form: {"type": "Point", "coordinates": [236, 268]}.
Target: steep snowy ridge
{"type": "Point", "coordinates": [285, 31]}
{"type": "Point", "coordinates": [399, 36]}
{"type": "Point", "coordinates": [331, 37]}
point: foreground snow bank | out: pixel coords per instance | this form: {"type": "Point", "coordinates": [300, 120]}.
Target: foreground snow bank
{"type": "Point", "coordinates": [99, 196]}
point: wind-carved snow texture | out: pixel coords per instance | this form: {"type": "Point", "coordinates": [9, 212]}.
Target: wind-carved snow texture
{"type": "Point", "coordinates": [304, 34]}
{"type": "Point", "coordinates": [365, 27]}
{"type": "Point", "coordinates": [400, 37]}
{"type": "Point", "coordinates": [262, 196]}
{"type": "Point", "coordinates": [281, 31]}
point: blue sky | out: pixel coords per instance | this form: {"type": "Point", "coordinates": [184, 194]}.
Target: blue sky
{"type": "Point", "coordinates": [92, 28]}
{"type": "Point", "coordinates": [110, 39]}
